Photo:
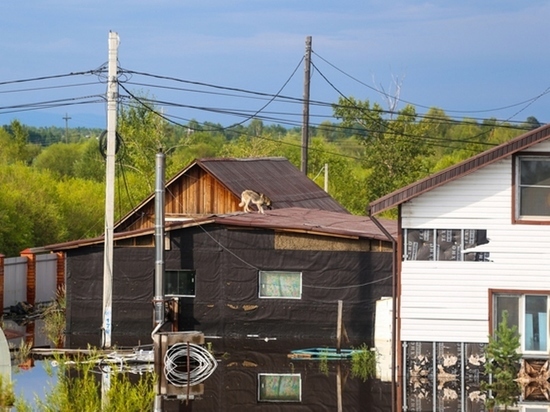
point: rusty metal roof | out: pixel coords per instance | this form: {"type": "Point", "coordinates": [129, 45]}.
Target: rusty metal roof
{"type": "Point", "coordinates": [463, 168]}
{"type": "Point", "coordinates": [276, 177]}
{"type": "Point", "coordinates": [312, 221]}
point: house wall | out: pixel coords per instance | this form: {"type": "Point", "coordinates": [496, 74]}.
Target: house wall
{"type": "Point", "coordinates": [226, 304]}
{"type": "Point", "coordinates": [448, 301]}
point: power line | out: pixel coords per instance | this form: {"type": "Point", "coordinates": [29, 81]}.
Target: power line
{"type": "Point", "coordinates": [56, 76]}
{"type": "Point", "coordinates": [524, 102]}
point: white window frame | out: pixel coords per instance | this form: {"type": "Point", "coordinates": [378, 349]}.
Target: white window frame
{"type": "Point", "coordinates": [522, 319]}
{"type": "Point", "coordinates": [519, 187]}
{"type": "Point", "coordinates": [167, 293]}
{"type": "Point", "coordinates": [261, 286]}
{"type": "Point", "coordinates": [260, 383]}
{"type": "Point", "coordinates": [533, 407]}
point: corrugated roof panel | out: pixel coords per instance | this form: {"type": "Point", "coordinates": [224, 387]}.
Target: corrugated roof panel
{"type": "Point", "coordinates": [314, 221]}
{"type": "Point", "coordinates": [276, 177]}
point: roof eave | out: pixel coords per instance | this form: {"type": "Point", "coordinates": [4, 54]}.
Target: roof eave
{"type": "Point", "coordinates": [461, 169]}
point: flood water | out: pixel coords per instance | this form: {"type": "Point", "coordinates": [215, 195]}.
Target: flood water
{"type": "Point", "coordinates": [251, 375]}
{"type": "Point", "coordinates": [260, 376]}
{"type": "Point", "coordinates": [263, 375]}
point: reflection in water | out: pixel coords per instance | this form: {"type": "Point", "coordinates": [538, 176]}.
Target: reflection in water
{"type": "Point", "coordinates": [260, 376]}
{"type": "Point", "coordinates": [257, 375]}
{"type": "Point", "coordinates": [444, 377]}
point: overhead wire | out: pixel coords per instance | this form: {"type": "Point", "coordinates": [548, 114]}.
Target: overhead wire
{"type": "Point", "coordinates": [273, 97]}
{"type": "Point", "coordinates": [245, 115]}
{"type": "Point", "coordinates": [296, 123]}
{"type": "Point", "coordinates": [221, 245]}
{"type": "Point", "coordinates": [528, 101]}
{"type": "Point", "coordinates": [387, 126]}
{"type": "Point", "coordinates": [56, 76]}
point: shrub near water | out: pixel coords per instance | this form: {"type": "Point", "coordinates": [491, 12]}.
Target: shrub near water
{"type": "Point", "coordinates": [363, 363]}
{"type": "Point", "coordinates": [7, 396]}
{"type": "Point", "coordinates": [78, 388]}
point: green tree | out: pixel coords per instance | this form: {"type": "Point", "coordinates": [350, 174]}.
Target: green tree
{"type": "Point", "coordinates": [60, 159]}
{"type": "Point", "coordinates": [396, 149]}
{"type": "Point", "coordinates": [247, 146]}
{"type": "Point", "coordinates": [29, 212]}
{"type": "Point", "coordinates": [346, 178]}
{"type": "Point", "coordinates": [81, 204]}
{"type": "Point", "coordinates": [502, 364]}
{"type": "Point", "coordinates": [91, 164]}
{"type": "Point", "coordinates": [196, 145]}
{"type": "Point", "coordinates": [143, 132]}
{"type": "Point", "coordinates": [15, 145]}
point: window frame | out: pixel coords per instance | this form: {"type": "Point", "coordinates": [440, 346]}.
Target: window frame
{"type": "Point", "coordinates": [261, 375]}
{"type": "Point", "coordinates": [295, 272]}
{"type": "Point", "coordinates": [165, 285]}
{"type": "Point", "coordinates": [517, 217]}
{"type": "Point", "coordinates": [469, 250]}
{"type": "Point", "coordinates": [522, 294]}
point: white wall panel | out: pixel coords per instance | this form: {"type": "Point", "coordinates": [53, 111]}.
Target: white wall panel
{"type": "Point", "coordinates": [448, 301]}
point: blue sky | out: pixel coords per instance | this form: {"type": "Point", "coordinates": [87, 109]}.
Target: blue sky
{"type": "Point", "coordinates": [470, 58]}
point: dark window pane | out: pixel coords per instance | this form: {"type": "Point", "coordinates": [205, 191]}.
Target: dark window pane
{"type": "Point", "coordinates": [534, 187]}
{"type": "Point", "coordinates": [535, 329]}
{"type": "Point", "coordinates": [535, 201]}
{"type": "Point", "coordinates": [179, 282]}
{"type": "Point", "coordinates": [510, 304]}
{"type": "Point", "coordinates": [535, 172]}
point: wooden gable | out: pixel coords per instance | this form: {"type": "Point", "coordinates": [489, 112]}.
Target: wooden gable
{"type": "Point", "coordinates": [213, 186]}
{"type": "Point", "coordinates": [194, 193]}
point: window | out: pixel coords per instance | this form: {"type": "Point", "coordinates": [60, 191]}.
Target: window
{"type": "Point", "coordinates": [445, 244]}
{"type": "Point", "coordinates": [179, 283]}
{"type": "Point", "coordinates": [274, 387]}
{"type": "Point", "coordinates": [529, 313]}
{"type": "Point", "coordinates": [277, 284]}
{"type": "Point", "coordinates": [533, 188]}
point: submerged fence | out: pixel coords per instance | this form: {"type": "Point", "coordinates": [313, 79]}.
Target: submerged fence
{"type": "Point", "coordinates": [31, 278]}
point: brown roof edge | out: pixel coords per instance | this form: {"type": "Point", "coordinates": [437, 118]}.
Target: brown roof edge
{"type": "Point", "coordinates": [75, 244]}
{"type": "Point", "coordinates": [461, 169]}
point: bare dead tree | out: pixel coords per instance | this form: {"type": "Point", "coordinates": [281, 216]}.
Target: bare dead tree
{"type": "Point", "coordinates": [391, 96]}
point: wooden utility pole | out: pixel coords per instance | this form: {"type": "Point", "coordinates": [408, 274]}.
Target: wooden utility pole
{"type": "Point", "coordinates": [66, 118]}
{"type": "Point", "coordinates": [112, 97]}
{"type": "Point", "coordinates": [305, 111]}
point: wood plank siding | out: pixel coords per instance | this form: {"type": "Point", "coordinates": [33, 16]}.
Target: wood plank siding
{"type": "Point", "coordinates": [198, 194]}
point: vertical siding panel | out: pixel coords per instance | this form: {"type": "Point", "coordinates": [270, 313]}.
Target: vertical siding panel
{"type": "Point", "coordinates": [1, 281]}
{"type": "Point", "coordinates": [208, 196]}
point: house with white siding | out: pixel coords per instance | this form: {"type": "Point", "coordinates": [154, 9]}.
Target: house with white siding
{"type": "Point", "coordinates": [473, 241]}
